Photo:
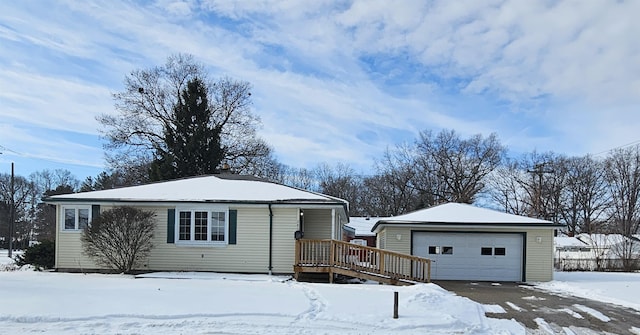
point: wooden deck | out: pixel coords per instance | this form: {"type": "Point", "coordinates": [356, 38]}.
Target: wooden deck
{"type": "Point", "coordinates": [337, 257]}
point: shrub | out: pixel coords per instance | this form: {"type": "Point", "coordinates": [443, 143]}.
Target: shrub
{"type": "Point", "coordinates": [119, 238]}
{"type": "Point", "coordinates": [41, 255]}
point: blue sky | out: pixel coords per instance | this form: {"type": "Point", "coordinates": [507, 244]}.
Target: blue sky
{"type": "Point", "coordinates": [333, 81]}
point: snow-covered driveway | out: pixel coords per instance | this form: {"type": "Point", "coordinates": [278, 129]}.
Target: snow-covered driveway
{"type": "Point", "coordinates": [543, 312]}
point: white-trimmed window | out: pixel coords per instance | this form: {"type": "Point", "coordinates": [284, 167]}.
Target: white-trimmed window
{"type": "Point", "coordinates": [75, 217]}
{"type": "Point", "coordinates": [202, 226]}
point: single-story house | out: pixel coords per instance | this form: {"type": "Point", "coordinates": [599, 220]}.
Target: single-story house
{"type": "Point", "coordinates": [595, 251]}
{"type": "Point", "coordinates": [223, 223]}
{"type": "Point", "coordinates": [358, 230]}
{"type": "Point", "coordinates": [571, 253]}
{"type": "Point", "coordinates": [466, 242]}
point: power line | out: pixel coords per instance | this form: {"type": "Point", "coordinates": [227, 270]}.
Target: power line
{"type": "Point", "coordinates": [616, 148]}
{"type": "Point", "coordinates": [2, 147]}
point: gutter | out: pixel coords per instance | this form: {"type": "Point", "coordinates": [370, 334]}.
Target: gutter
{"type": "Point", "coordinates": [270, 240]}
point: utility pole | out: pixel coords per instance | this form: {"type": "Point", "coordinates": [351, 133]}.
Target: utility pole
{"type": "Point", "coordinates": [11, 211]}
{"type": "Point", "coordinates": [539, 170]}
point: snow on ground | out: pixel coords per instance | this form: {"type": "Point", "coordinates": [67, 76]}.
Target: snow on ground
{"type": "Point", "coordinates": [596, 314]}
{"type": "Point", "coordinates": [203, 303]}
{"type": "Point", "coordinates": [613, 287]}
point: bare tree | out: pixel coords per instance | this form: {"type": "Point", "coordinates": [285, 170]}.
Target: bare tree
{"type": "Point", "coordinates": [120, 238]}
{"type": "Point", "coordinates": [585, 197]}
{"type": "Point", "coordinates": [458, 166]}
{"type": "Point", "coordinates": [392, 190]}
{"type": "Point", "coordinates": [145, 109]}
{"type": "Point", "coordinates": [506, 189]}
{"type": "Point", "coordinates": [24, 196]}
{"type": "Point", "coordinates": [340, 181]}
{"type": "Point", "coordinates": [623, 177]}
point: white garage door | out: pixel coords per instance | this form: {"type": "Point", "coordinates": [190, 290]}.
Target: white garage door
{"type": "Point", "coordinates": [471, 256]}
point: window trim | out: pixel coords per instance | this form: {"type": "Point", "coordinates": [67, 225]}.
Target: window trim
{"type": "Point", "coordinates": [201, 243]}
{"type": "Point", "coordinates": [503, 251]}
{"type": "Point", "coordinates": [76, 209]}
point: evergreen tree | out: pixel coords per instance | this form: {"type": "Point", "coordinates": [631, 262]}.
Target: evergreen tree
{"type": "Point", "coordinates": [192, 141]}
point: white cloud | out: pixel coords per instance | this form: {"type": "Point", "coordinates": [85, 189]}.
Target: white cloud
{"type": "Point", "coordinates": [344, 80]}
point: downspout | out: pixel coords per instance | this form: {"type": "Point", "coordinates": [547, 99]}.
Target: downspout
{"type": "Point", "coordinates": [270, 240]}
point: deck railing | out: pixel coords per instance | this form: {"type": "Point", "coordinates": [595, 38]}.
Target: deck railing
{"type": "Point", "coordinates": [358, 258]}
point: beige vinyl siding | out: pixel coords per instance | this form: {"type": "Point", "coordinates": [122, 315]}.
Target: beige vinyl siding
{"type": "Point", "coordinates": [250, 254]}
{"type": "Point", "coordinates": [71, 255]}
{"type": "Point", "coordinates": [285, 225]}
{"type": "Point", "coordinates": [317, 224]}
{"type": "Point", "coordinates": [382, 239]}
{"type": "Point", "coordinates": [392, 242]}
{"type": "Point", "coordinates": [539, 259]}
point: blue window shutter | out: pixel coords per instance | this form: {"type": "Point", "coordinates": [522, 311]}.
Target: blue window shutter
{"type": "Point", "coordinates": [171, 225]}
{"type": "Point", "coordinates": [233, 225]}
{"type": "Point", "coordinates": [95, 211]}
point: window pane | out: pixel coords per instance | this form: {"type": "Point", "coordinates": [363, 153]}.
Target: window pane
{"type": "Point", "coordinates": [184, 226]}
{"type": "Point", "coordinates": [447, 250]}
{"type": "Point", "coordinates": [486, 251]}
{"type": "Point", "coordinates": [69, 218]}
{"type": "Point", "coordinates": [217, 226]}
{"type": "Point", "coordinates": [433, 250]}
{"type": "Point", "coordinates": [500, 251]}
{"type": "Point", "coordinates": [83, 218]}
{"type": "Point", "coordinates": [200, 225]}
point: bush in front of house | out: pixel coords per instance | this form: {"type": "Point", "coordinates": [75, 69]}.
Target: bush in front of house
{"type": "Point", "coordinates": [41, 255]}
{"type": "Point", "coordinates": [120, 238]}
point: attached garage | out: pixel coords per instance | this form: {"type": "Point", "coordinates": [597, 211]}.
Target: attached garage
{"type": "Point", "coordinates": [466, 242]}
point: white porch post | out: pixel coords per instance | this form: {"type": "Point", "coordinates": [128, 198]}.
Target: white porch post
{"type": "Point", "coordinates": [333, 224]}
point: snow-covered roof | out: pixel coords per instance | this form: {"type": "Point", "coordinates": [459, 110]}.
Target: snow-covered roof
{"type": "Point", "coordinates": [566, 241]}
{"type": "Point", "coordinates": [456, 213]}
{"type": "Point", "coordinates": [363, 225]}
{"type": "Point", "coordinates": [601, 240]}
{"type": "Point", "coordinates": [203, 189]}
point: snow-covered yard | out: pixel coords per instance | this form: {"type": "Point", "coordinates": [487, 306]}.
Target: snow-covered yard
{"type": "Point", "coordinates": [613, 287]}
{"type": "Point", "coordinates": [199, 303]}
{"type": "Point", "coordinates": [209, 303]}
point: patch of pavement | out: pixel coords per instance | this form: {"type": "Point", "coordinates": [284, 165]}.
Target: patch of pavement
{"type": "Point", "coordinates": [543, 312]}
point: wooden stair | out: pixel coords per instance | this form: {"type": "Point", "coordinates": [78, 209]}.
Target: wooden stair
{"type": "Point", "coordinates": [353, 260]}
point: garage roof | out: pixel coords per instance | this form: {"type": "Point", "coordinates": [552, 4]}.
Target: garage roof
{"type": "Point", "coordinates": [461, 214]}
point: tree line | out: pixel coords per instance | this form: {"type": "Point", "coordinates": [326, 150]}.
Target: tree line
{"type": "Point", "coordinates": [174, 121]}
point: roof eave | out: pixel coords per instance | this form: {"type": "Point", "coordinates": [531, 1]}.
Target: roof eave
{"type": "Point", "coordinates": [478, 224]}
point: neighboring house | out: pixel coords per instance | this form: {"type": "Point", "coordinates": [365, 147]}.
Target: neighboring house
{"type": "Point", "coordinates": [571, 253]}
{"type": "Point", "coordinates": [222, 223]}
{"type": "Point", "coordinates": [358, 230]}
{"type": "Point", "coordinates": [466, 242]}
{"type": "Point", "coordinates": [595, 251]}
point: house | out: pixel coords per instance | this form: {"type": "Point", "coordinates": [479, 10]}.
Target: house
{"type": "Point", "coordinates": [224, 223]}
{"type": "Point", "coordinates": [358, 230]}
{"type": "Point", "coordinates": [466, 242]}
{"type": "Point", "coordinates": [571, 253]}
{"type": "Point", "coordinates": [595, 251]}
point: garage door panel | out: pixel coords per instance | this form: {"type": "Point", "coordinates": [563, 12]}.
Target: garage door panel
{"type": "Point", "coordinates": [466, 262]}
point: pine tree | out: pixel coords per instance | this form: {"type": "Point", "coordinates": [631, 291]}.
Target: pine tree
{"type": "Point", "coordinates": [192, 142]}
